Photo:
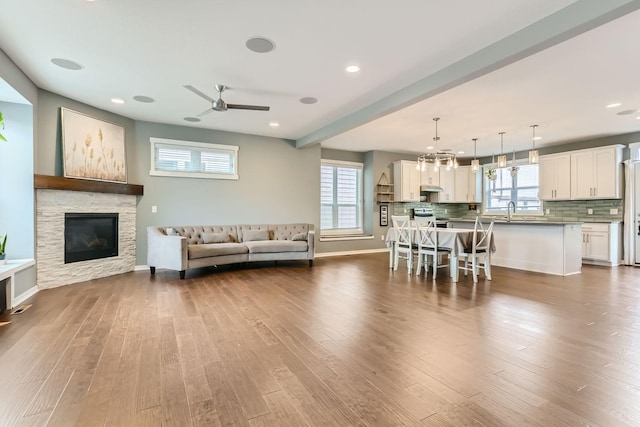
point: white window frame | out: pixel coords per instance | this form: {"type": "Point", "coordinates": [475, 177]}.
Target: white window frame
{"type": "Point", "coordinates": [360, 205]}
{"type": "Point", "coordinates": [195, 146]}
{"type": "Point", "coordinates": [502, 213]}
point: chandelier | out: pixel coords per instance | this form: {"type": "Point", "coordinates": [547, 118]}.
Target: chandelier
{"type": "Point", "coordinates": [437, 158]}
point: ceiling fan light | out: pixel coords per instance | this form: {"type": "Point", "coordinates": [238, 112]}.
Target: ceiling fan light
{"type": "Point", "coordinates": [475, 165]}
{"type": "Point", "coordinates": [534, 158]}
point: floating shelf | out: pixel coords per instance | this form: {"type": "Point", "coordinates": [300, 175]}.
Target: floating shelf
{"type": "Point", "coordinates": [73, 184]}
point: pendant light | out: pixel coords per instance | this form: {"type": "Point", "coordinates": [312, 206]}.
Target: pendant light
{"type": "Point", "coordinates": [475, 163]}
{"type": "Point", "coordinates": [491, 172]}
{"type": "Point", "coordinates": [533, 153]}
{"type": "Point", "coordinates": [502, 158]}
{"type": "Point", "coordinates": [437, 158]}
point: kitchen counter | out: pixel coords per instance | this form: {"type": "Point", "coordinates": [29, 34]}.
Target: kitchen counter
{"type": "Point", "coordinates": [517, 221]}
{"type": "Point", "coordinates": [542, 246]}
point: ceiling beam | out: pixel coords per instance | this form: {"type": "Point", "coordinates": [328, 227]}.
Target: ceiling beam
{"type": "Point", "coordinates": [575, 19]}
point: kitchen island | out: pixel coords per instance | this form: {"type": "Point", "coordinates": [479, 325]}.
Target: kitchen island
{"type": "Point", "coordinates": [540, 246]}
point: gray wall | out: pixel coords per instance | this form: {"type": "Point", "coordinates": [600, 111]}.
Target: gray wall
{"type": "Point", "coordinates": [278, 183]}
{"type": "Point", "coordinates": [16, 175]}
{"type": "Point", "coordinates": [48, 148]}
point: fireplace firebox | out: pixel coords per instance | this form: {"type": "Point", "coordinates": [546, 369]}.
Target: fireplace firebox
{"type": "Point", "coordinates": [90, 236]}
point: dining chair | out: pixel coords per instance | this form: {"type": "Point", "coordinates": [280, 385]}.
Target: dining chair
{"type": "Point", "coordinates": [428, 246]}
{"type": "Point", "coordinates": [403, 244]}
{"type": "Point", "coordinates": [479, 254]}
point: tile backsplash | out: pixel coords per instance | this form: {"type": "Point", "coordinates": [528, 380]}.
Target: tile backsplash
{"type": "Point", "coordinates": [567, 210]}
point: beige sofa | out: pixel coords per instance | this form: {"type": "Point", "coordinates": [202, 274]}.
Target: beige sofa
{"type": "Point", "coordinates": [181, 248]}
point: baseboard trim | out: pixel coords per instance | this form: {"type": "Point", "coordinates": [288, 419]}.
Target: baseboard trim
{"type": "Point", "coordinates": [140, 267]}
{"type": "Point", "coordinates": [24, 296]}
{"type": "Point", "coordinates": [360, 252]}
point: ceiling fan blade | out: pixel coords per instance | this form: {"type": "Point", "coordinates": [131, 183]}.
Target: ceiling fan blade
{"type": "Point", "coordinates": [205, 112]}
{"type": "Point", "coordinates": [248, 107]}
{"type": "Point", "coordinates": [197, 92]}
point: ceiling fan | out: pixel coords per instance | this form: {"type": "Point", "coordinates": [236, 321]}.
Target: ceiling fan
{"type": "Point", "coordinates": [219, 104]}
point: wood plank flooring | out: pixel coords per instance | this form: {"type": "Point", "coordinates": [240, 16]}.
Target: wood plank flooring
{"type": "Point", "coordinates": [344, 343]}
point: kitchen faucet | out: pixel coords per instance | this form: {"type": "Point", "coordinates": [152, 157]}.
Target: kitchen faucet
{"type": "Point", "coordinates": [509, 205]}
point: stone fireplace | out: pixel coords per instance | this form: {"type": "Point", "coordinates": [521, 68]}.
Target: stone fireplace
{"type": "Point", "coordinates": [55, 206]}
{"type": "Point", "coordinates": [90, 236]}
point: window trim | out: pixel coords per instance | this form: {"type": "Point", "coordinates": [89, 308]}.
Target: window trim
{"type": "Point", "coordinates": [194, 145]}
{"type": "Point", "coordinates": [485, 180]}
{"type": "Point", "coordinates": [346, 232]}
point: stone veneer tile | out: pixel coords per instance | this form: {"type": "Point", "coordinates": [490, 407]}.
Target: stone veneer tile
{"type": "Point", "coordinates": [51, 205]}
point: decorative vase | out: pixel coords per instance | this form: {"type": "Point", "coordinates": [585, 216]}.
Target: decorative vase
{"type": "Point", "coordinates": [3, 260]}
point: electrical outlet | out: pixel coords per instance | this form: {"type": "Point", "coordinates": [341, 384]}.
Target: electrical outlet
{"type": "Point", "coordinates": [405, 210]}
{"type": "Point", "coordinates": [382, 237]}
{"type": "Point", "coordinates": [613, 211]}
{"type": "Point", "coordinates": [548, 211]}
{"type": "Point", "coordinates": [589, 211]}
{"type": "Point", "coordinates": [154, 209]}
{"type": "Point", "coordinates": [446, 211]}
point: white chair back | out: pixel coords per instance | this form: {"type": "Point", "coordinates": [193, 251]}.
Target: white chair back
{"type": "Point", "coordinates": [428, 235]}
{"type": "Point", "coordinates": [481, 236]}
{"type": "Point", "coordinates": [402, 224]}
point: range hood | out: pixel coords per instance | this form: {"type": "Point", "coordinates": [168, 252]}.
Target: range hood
{"type": "Point", "coordinates": [431, 189]}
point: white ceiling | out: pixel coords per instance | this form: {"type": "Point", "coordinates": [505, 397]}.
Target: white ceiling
{"type": "Point", "coordinates": [155, 47]}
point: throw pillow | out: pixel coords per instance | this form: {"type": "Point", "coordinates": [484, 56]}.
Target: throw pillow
{"type": "Point", "coordinates": [299, 236]}
{"type": "Point", "coordinates": [254, 235]}
{"type": "Point", "coordinates": [171, 231]}
{"type": "Point", "coordinates": [216, 237]}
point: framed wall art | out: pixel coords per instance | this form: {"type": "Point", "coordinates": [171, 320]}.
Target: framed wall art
{"type": "Point", "coordinates": [384, 215]}
{"type": "Point", "coordinates": [92, 148]}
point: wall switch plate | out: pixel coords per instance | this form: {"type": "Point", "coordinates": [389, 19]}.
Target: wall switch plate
{"type": "Point", "coordinates": [382, 237]}
{"type": "Point", "coordinates": [589, 211]}
{"type": "Point", "coordinates": [154, 209]}
{"type": "Point", "coordinates": [548, 211]}
{"type": "Point", "coordinates": [613, 211]}
{"type": "Point", "coordinates": [446, 211]}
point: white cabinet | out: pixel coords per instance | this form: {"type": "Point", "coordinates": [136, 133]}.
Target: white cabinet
{"type": "Point", "coordinates": [596, 173]}
{"type": "Point", "coordinates": [601, 243]}
{"type": "Point", "coordinates": [467, 185]}
{"type": "Point", "coordinates": [448, 184]}
{"type": "Point", "coordinates": [555, 177]}
{"type": "Point", "coordinates": [406, 181]}
{"type": "Point", "coordinates": [430, 176]}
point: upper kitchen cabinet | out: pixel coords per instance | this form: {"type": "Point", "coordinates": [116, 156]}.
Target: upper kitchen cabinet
{"type": "Point", "coordinates": [468, 185]}
{"type": "Point", "coordinates": [448, 184]}
{"type": "Point", "coordinates": [597, 173]}
{"type": "Point", "coordinates": [430, 176]}
{"type": "Point", "coordinates": [406, 183]}
{"type": "Point", "coordinates": [555, 177]}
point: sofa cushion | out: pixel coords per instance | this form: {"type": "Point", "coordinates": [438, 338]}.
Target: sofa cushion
{"type": "Point", "coordinates": [255, 235]}
{"type": "Point", "coordinates": [299, 237]}
{"type": "Point", "coordinates": [270, 246]}
{"type": "Point", "coordinates": [216, 238]}
{"type": "Point", "coordinates": [215, 249]}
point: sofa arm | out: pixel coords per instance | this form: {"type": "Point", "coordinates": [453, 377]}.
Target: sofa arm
{"type": "Point", "coordinates": [166, 251]}
{"type": "Point", "coordinates": [311, 241]}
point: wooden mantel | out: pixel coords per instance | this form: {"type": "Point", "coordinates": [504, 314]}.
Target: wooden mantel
{"type": "Point", "coordinates": [74, 184]}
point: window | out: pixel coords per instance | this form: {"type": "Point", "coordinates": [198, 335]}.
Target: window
{"type": "Point", "coordinates": [521, 190]}
{"type": "Point", "coordinates": [193, 159]}
{"type": "Point", "coordinates": [340, 197]}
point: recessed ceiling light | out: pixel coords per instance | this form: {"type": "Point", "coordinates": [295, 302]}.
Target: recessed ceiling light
{"type": "Point", "coordinates": [638, 118]}
{"type": "Point", "coordinates": [308, 100]}
{"type": "Point", "coordinates": [274, 124]}
{"type": "Point", "coordinates": [142, 98]}
{"type": "Point", "coordinates": [537, 138]}
{"type": "Point", "coordinates": [627, 112]}
{"type": "Point", "coordinates": [353, 69]}
{"type": "Point", "coordinates": [67, 64]}
{"type": "Point", "coordinates": [430, 147]}
{"type": "Point", "coordinates": [460, 152]}
{"type": "Point", "coordinates": [614, 105]}
{"type": "Point", "coordinates": [191, 119]}
{"type": "Point", "coordinates": [260, 45]}
{"type": "Point", "coordinates": [117, 100]}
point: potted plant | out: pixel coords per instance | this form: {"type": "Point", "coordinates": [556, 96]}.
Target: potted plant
{"type": "Point", "coordinates": [3, 244]}
{"type": "Point", "coordinates": [2, 138]}
{"type": "Point", "coordinates": [491, 174]}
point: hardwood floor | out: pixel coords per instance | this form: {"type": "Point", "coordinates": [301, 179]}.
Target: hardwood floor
{"type": "Point", "coordinates": [347, 342]}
